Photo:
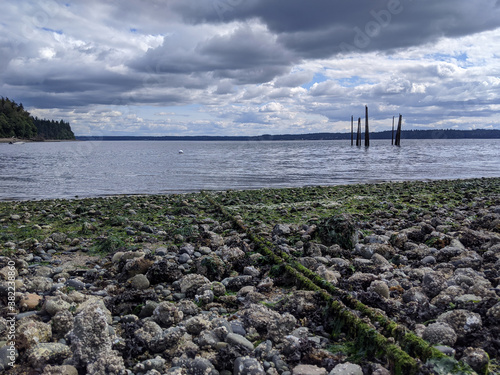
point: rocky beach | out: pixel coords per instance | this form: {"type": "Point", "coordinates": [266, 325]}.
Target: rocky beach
{"type": "Point", "coordinates": [390, 278]}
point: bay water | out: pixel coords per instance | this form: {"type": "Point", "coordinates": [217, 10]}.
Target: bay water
{"type": "Point", "coordinates": [49, 170]}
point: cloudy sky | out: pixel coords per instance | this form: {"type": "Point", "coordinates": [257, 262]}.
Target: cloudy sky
{"type": "Point", "coordinates": [250, 67]}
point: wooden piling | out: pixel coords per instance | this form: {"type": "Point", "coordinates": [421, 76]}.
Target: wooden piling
{"type": "Point", "coordinates": [398, 132]}
{"type": "Point", "coordinates": [352, 130]}
{"type": "Point", "coordinates": [358, 135]}
{"type": "Point", "coordinates": [392, 136]}
{"type": "Point", "coordinates": [367, 131]}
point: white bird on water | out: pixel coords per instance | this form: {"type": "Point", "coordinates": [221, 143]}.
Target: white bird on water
{"type": "Point", "coordinates": [181, 152]}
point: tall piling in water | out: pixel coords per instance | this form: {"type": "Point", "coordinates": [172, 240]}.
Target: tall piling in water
{"type": "Point", "coordinates": [367, 131]}
{"type": "Point", "coordinates": [358, 135]}
{"type": "Point", "coordinates": [392, 136]}
{"type": "Point", "coordinates": [398, 132]}
{"type": "Point", "coordinates": [352, 130]}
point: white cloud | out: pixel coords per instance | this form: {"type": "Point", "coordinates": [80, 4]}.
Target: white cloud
{"type": "Point", "coordinates": [102, 66]}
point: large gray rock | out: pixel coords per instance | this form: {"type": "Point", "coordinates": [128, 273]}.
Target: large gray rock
{"type": "Point", "coordinates": [31, 332]}
{"type": "Point", "coordinates": [313, 249]}
{"type": "Point", "coordinates": [53, 305]}
{"type": "Point", "coordinates": [5, 359]}
{"type": "Point", "coordinates": [380, 370]}
{"type": "Point", "coordinates": [167, 314]}
{"type": "Point", "coordinates": [147, 309]}
{"type": "Point", "coordinates": [259, 317]}
{"type": "Point", "coordinates": [157, 363]}
{"type": "Point", "coordinates": [331, 276]}
{"type": "Point", "coordinates": [149, 330]}
{"type": "Point", "coordinates": [188, 308]}
{"type": "Point", "coordinates": [415, 294]}
{"type": "Point", "coordinates": [215, 239]}
{"type": "Point", "coordinates": [46, 353]}
{"type": "Point", "coordinates": [281, 327]}
{"type": "Point", "coordinates": [300, 304]}
{"type": "Point", "coordinates": [94, 301]}
{"type": "Point", "coordinates": [108, 363]}
{"type": "Point", "coordinates": [189, 284]}
{"type": "Point", "coordinates": [230, 254]}
{"type": "Point", "coordinates": [494, 312]}
{"type": "Point", "coordinates": [463, 322]}
{"type": "Point", "coordinates": [238, 340]}
{"type": "Point", "coordinates": [136, 264]}
{"type": "Point", "coordinates": [339, 230]}
{"type": "Point", "coordinates": [379, 287]}
{"type": "Point", "coordinates": [196, 366]}
{"type": "Point", "coordinates": [91, 342]}
{"type": "Point", "coordinates": [166, 339]}
{"type": "Point", "coordinates": [433, 283]}
{"type": "Point", "coordinates": [164, 270]}
{"type": "Point", "coordinates": [237, 282]}
{"type": "Point", "coordinates": [476, 358]}
{"type": "Point", "coordinates": [440, 333]}
{"type": "Point", "coordinates": [207, 339]}
{"type": "Point", "coordinates": [140, 282]}
{"type": "Point", "coordinates": [308, 370]}
{"type": "Point", "coordinates": [281, 229]}
{"type": "Point", "coordinates": [62, 323]}
{"type": "Point", "coordinates": [58, 237]}
{"type": "Point", "coordinates": [247, 366]}
{"type": "Point", "coordinates": [38, 284]}
{"type": "Point", "coordinates": [196, 324]}
{"type": "Point", "coordinates": [60, 370]}
{"type": "Point", "coordinates": [347, 369]}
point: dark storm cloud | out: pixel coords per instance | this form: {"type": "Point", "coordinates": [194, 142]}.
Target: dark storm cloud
{"type": "Point", "coordinates": [251, 65]}
{"type": "Point", "coordinates": [245, 55]}
{"type": "Point", "coordinates": [322, 28]}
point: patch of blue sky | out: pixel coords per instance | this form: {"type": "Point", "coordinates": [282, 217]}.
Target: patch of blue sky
{"type": "Point", "coordinates": [60, 32]}
{"type": "Point", "coordinates": [167, 111]}
{"type": "Point", "coordinates": [317, 78]}
{"type": "Point", "coordinates": [133, 30]}
{"type": "Point", "coordinates": [460, 59]}
{"type": "Point", "coordinates": [447, 57]}
{"type": "Point", "coordinates": [352, 81]}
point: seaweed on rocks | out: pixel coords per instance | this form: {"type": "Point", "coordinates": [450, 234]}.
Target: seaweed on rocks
{"type": "Point", "coordinates": [132, 347]}
{"type": "Point", "coordinates": [338, 230]}
{"type": "Point", "coordinates": [126, 301]}
{"type": "Point", "coordinates": [164, 270]}
{"type": "Point", "coordinates": [424, 250]}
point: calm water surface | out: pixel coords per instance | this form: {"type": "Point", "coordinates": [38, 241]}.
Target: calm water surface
{"type": "Point", "coordinates": [99, 168]}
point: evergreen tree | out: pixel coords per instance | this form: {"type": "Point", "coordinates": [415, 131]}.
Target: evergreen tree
{"type": "Point", "coordinates": [15, 121]}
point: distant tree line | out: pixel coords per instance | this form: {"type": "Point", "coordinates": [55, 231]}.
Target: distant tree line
{"type": "Point", "coordinates": [405, 134]}
{"type": "Point", "coordinates": [451, 134]}
{"type": "Point", "coordinates": [16, 122]}
{"type": "Point", "coordinates": [50, 129]}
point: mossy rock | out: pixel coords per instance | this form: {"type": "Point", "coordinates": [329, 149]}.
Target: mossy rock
{"type": "Point", "coordinates": [447, 365]}
{"type": "Point", "coordinates": [338, 230]}
{"type": "Point", "coordinates": [213, 267]}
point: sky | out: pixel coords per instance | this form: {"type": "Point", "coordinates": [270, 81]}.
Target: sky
{"type": "Point", "coordinates": [252, 67]}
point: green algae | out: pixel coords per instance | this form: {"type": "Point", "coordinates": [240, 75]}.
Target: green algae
{"type": "Point", "coordinates": [410, 346]}
{"type": "Point", "coordinates": [101, 219]}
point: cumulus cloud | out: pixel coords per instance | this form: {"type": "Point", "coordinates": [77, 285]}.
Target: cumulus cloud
{"type": "Point", "coordinates": [323, 27]}
{"type": "Point", "coordinates": [251, 66]}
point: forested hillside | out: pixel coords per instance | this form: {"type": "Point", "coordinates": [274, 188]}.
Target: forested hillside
{"type": "Point", "coordinates": [16, 122]}
{"type": "Point", "coordinates": [50, 129]}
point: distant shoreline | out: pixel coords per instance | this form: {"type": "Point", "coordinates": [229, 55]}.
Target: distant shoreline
{"type": "Point", "coordinates": [406, 134]}
{"type": "Point", "coordinates": [8, 140]}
